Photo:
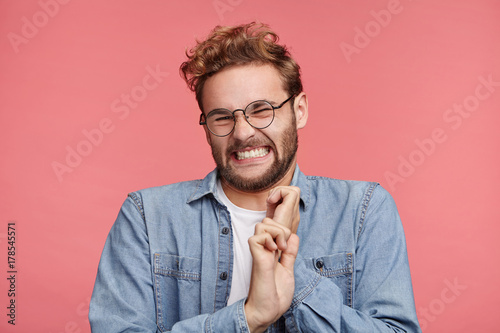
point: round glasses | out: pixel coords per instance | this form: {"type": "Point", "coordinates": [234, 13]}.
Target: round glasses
{"type": "Point", "coordinates": [259, 114]}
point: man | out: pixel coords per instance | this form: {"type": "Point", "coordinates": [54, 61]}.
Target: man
{"type": "Point", "coordinates": [256, 245]}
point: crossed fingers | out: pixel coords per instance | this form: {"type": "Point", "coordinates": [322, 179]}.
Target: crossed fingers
{"type": "Point", "coordinates": [283, 206]}
{"type": "Point", "coordinates": [272, 235]}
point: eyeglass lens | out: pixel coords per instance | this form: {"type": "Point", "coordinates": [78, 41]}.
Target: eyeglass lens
{"type": "Point", "coordinates": [259, 114]}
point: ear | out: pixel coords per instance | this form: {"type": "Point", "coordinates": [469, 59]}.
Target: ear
{"type": "Point", "coordinates": [208, 135]}
{"type": "Point", "coordinates": [205, 128]}
{"type": "Point", "coordinates": [300, 108]}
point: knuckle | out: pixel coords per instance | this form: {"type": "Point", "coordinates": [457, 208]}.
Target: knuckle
{"type": "Point", "coordinates": [259, 227]}
{"type": "Point", "coordinates": [287, 232]}
{"type": "Point", "coordinates": [251, 240]}
{"type": "Point", "coordinates": [266, 220]}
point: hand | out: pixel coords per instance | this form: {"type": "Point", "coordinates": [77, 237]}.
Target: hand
{"type": "Point", "coordinates": [272, 282]}
{"type": "Point", "coordinates": [283, 206]}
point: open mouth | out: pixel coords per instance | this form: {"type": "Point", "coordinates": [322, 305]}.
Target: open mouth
{"type": "Point", "coordinates": [252, 153]}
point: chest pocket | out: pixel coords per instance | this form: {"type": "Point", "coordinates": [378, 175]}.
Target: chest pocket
{"type": "Point", "coordinates": [338, 268]}
{"type": "Point", "coordinates": [177, 288]}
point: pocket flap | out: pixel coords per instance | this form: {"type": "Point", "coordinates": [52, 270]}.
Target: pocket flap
{"type": "Point", "coordinates": [177, 266]}
{"type": "Point", "coordinates": [334, 264]}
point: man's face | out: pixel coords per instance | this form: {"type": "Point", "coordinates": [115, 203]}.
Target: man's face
{"type": "Point", "coordinates": [250, 159]}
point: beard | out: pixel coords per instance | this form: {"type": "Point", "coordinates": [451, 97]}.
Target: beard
{"type": "Point", "coordinates": [276, 172]}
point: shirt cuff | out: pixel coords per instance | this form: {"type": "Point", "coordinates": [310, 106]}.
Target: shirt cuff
{"type": "Point", "coordinates": [221, 320]}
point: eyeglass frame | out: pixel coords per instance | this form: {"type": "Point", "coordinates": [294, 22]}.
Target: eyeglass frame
{"type": "Point", "coordinates": [246, 118]}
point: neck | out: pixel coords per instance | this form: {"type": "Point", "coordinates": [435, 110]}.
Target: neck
{"type": "Point", "coordinates": [254, 200]}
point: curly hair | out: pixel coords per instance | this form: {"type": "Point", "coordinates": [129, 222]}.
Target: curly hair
{"type": "Point", "coordinates": [244, 44]}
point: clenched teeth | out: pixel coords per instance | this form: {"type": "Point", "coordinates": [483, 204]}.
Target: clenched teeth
{"type": "Point", "coordinates": [259, 152]}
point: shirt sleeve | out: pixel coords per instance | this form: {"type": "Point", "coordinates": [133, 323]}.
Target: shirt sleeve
{"type": "Point", "coordinates": [123, 297]}
{"type": "Point", "coordinates": [382, 292]}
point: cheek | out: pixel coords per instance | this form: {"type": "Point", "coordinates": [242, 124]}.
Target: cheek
{"type": "Point", "coordinates": [283, 136]}
{"type": "Point", "coordinates": [218, 145]}
{"type": "Point", "coordinates": [277, 137]}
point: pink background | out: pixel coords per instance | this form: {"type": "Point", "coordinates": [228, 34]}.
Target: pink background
{"type": "Point", "coordinates": [376, 98]}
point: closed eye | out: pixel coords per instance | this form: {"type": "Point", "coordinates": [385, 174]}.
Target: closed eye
{"type": "Point", "coordinates": [220, 115]}
{"type": "Point", "coordinates": [221, 118]}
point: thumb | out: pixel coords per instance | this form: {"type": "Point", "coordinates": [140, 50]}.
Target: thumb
{"type": "Point", "coordinates": [289, 255]}
{"type": "Point", "coordinates": [273, 200]}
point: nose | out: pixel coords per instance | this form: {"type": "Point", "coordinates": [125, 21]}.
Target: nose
{"type": "Point", "coordinates": [242, 129]}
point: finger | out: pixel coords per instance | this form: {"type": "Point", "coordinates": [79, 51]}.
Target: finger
{"type": "Point", "coordinates": [273, 200]}
{"type": "Point", "coordinates": [271, 222]}
{"type": "Point", "coordinates": [277, 233]}
{"type": "Point", "coordinates": [261, 241]}
{"type": "Point", "coordinates": [289, 255]}
{"type": "Point", "coordinates": [286, 196]}
{"type": "Point", "coordinates": [283, 206]}
{"type": "Point", "coordinates": [281, 194]}
{"type": "Point", "coordinates": [270, 244]}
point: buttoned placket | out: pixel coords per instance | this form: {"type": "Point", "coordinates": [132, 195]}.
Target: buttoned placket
{"type": "Point", "coordinates": [225, 257]}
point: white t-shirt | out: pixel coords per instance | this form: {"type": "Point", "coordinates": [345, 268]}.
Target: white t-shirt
{"type": "Point", "coordinates": [243, 223]}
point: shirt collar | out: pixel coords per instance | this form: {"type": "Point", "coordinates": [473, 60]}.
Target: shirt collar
{"type": "Point", "coordinates": [208, 186]}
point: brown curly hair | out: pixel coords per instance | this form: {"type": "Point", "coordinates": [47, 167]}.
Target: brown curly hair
{"type": "Point", "coordinates": [238, 45]}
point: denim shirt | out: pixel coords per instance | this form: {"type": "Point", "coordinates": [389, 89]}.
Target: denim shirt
{"type": "Point", "coordinates": [167, 263]}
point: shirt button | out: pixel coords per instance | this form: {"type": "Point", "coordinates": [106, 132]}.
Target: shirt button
{"type": "Point", "coordinates": [223, 276]}
{"type": "Point", "coordinates": [319, 264]}
{"type": "Point", "coordinates": [225, 230]}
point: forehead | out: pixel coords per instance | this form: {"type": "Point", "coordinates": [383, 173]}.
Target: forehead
{"type": "Point", "coordinates": [236, 86]}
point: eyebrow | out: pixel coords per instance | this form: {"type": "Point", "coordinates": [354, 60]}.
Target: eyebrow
{"type": "Point", "coordinates": [218, 109]}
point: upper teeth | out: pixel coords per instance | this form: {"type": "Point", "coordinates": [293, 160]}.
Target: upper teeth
{"type": "Point", "coordinates": [259, 152]}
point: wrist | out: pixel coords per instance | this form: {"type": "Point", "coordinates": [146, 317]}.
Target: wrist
{"type": "Point", "coordinates": [254, 326]}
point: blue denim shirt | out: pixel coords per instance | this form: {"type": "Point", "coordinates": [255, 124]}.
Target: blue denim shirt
{"type": "Point", "coordinates": [167, 263]}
